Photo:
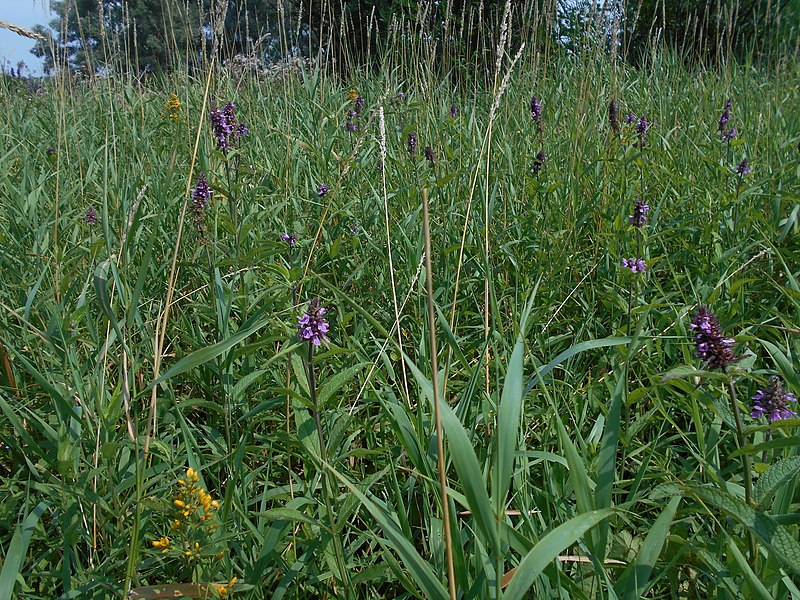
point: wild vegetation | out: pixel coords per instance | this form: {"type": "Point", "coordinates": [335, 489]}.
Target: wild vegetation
{"type": "Point", "coordinates": [230, 300]}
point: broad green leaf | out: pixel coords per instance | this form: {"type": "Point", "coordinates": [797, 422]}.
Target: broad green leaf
{"type": "Point", "coordinates": [17, 549]}
{"type": "Point", "coordinates": [569, 353]}
{"type": "Point", "coordinates": [466, 463]}
{"type": "Point", "coordinates": [776, 476]}
{"type": "Point", "coordinates": [773, 535]}
{"type": "Point", "coordinates": [418, 568]}
{"type": "Point", "coordinates": [633, 582]}
{"type": "Point", "coordinates": [548, 549]}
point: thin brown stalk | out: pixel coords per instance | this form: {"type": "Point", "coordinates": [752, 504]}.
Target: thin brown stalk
{"type": "Point", "coordinates": [448, 540]}
{"type": "Point", "coordinates": [161, 324]}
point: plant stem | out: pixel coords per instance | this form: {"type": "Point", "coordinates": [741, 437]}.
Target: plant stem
{"type": "Point", "coordinates": [448, 544]}
{"type": "Point", "coordinates": [748, 476]}
{"type": "Point", "coordinates": [328, 483]}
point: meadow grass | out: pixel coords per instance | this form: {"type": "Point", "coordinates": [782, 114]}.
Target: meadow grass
{"type": "Point", "coordinates": [589, 452]}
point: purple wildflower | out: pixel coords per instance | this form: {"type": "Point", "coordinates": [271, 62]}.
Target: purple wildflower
{"type": "Point", "coordinates": [536, 110]}
{"type": "Point", "coordinates": [744, 168]}
{"type": "Point", "coordinates": [50, 151]}
{"type": "Point", "coordinates": [359, 103]}
{"type": "Point", "coordinates": [200, 197]}
{"type": "Point", "coordinates": [630, 118]}
{"type": "Point", "coordinates": [641, 130]}
{"type": "Point", "coordinates": [538, 162]}
{"type": "Point", "coordinates": [729, 135]}
{"type": "Point", "coordinates": [430, 155]}
{"type": "Point", "coordinates": [312, 325]}
{"type": "Point", "coordinates": [725, 116]}
{"type": "Point", "coordinates": [712, 347]}
{"type": "Point", "coordinates": [223, 124]}
{"type": "Point", "coordinates": [289, 238]}
{"type": "Point", "coordinates": [453, 111]}
{"type": "Point", "coordinates": [323, 189]}
{"type": "Point", "coordinates": [412, 142]}
{"type": "Point", "coordinates": [773, 402]}
{"type": "Point", "coordinates": [613, 116]}
{"type": "Point", "coordinates": [636, 265]}
{"type": "Point", "coordinates": [639, 216]}
{"type": "Point", "coordinates": [91, 215]}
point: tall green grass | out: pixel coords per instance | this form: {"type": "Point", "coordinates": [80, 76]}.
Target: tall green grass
{"type": "Point", "coordinates": [588, 454]}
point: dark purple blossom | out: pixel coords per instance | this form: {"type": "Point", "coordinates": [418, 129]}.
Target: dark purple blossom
{"type": "Point", "coordinates": [639, 216]}
{"type": "Point", "coordinates": [642, 125]}
{"type": "Point", "coordinates": [200, 197]}
{"type": "Point", "coordinates": [312, 325]}
{"type": "Point", "coordinates": [430, 155]}
{"type": "Point", "coordinates": [359, 103]}
{"type": "Point", "coordinates": [536, 110]}
{"type": "Point", "coordinates": [613, 115]}
{"type": "Point", "coordinates": [729, 135]}
{"type": "Point", "coordinates": [744, 168]}
{"type": "Point", "coordinates": [538, 162]}
{"type": "Point", "coordinates": [323, 189]}
{"type": "Point", "coordinates": [725, 116]}
{"type": "Point", "coordinates": [773, 402]}
{"type": "Point", "coordinates": [636, 265]}
{"type": "Point", "coordinates": [412, 142]}
{"type": "Point", "coordinates": [223, 123]}
{"type": "Point", "coordinates": [630, 118]}
{"type": "Point", "coordinates": [289, 238]}
{"type": "Point", "coordinates": [50, 151]}
{"type": "Point", "coordinates": [91, 215]}
{"type": "Point", "coordinates": [453, 111]}
{"type": "Point", "coordinates": [712, 346]}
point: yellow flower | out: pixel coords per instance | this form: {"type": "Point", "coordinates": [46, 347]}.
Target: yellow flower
{"type": "Point", "coordinates": [352, 95]}
{"type": "Point", "coordinates": [223, 589]}
{"type": "Point", "coordinates": [191, 474]}
{"type": "Point", "coordinates": [179, 503]}
{"type": "Point", "coordinates": [163, 542]}
{"type": "Point", "coordinates": [174, 107]}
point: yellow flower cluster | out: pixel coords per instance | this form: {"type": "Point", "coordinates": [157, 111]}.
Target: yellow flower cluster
{"type": "Point", "coordinates": [223, 590]}
{"type": "Point", "coordinates": [193, 522]}
{"type": "Point", "coordinates": [174, 107]}
{"type": "Point", "coordinates": [163, 543]}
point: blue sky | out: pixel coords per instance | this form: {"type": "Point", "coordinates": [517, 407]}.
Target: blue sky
{"type": "Point", "coordinates": [24, 13]}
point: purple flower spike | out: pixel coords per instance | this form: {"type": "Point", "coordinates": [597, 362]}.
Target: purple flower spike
{"type": "Point", "coordinates": [453, 112]}
{"type": "Point", "coordinates": [636, 265]}
{"type": "Point", "coordinates": [323, 189]}
{"type": "Point", "coordinates": [538, 162]}
{"type": "Point", "coordinates": [312, 325]}
{"type": "Point", "coordinates": [289, 238]}
{"type": "Point", "coordinates": [50, 151]}
{"type": "Point", "coordinates": [773, 402]}
{"type": "Point", "coordinates": [412, 142]}
{"type": "Point", "coordinates": [200, 197]}
{"type": "Point", "coordinates": [223, 124]}
{"type": "Point", "coordinates": [729, 135]}
{"type": "Point", "coordinates": [536, 110]}
{"type": "Point", "coordinates": [613, 115]}
{"type": "Point", "coordinates": [430, 155]}
{"type": "Point", "coordinates": [630, 118]}
{"type": "Point", "coordinates": [712, 347]}
{"type": "Point", "coordinates": [91, 215]}
{"type": "Point", "coordinates": [639, 216]}
{"type": "Point", "coordinates": [744, 168]}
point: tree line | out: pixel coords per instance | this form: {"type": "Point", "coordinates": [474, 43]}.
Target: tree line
{"type": "Point", "coordinates": [157, 35]}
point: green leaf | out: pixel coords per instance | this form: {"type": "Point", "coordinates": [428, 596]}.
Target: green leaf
{"type": "Point", "coordinates": [548, 548]}
{"type": "Point", "coordinates": [418, 567]}
{"type": "Point", "coordinates": [633, 582]}
{"type": "Point", "coordinates": [784, 442]}
{"type": "Point", "coordinates": [773, 535]}
{"type": "Point", "coordinates": [333, 384]}
{"type": "Point", "coordinates": [569, 353]}
{"type": "Point", "coordinates": [776, 476]}
{"type": "Point", "coordinates": [465, 462]}
{"type": "Point", "coordinates": [199, 357]}
{"type": "Point", "coordinates": [17, 550]}
{"type": "Point", "coordinates": [508, 420]}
